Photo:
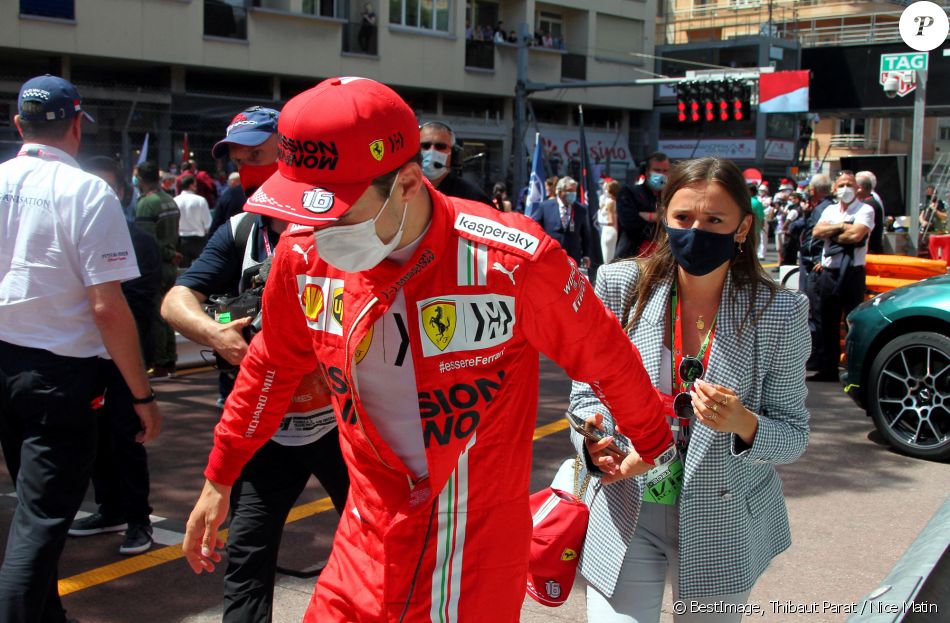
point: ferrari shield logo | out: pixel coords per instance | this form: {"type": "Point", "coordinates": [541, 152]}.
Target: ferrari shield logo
{"type": "Point", "coordinates": [338, 305]}
{"type": "Point", "coordinates": [568, 555]}
{"type": "Point", "coordinates": [438, 322]}
{"type": "Point", "coordinates": [312, 300]}
{"type": "Point", "coordinates": [363, 347]}
{"type": "Point", "coordinates": [378, 149]}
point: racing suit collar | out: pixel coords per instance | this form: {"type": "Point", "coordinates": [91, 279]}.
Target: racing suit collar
{"type": "Point", "coordinates": [385, 279]}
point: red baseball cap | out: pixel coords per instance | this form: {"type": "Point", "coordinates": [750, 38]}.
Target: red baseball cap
{"type": "Point", "coordinates": [560, 525]}
{"type": "Point", "coordinates": [333, 140]}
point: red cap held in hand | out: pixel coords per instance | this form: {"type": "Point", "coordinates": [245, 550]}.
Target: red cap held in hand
{"type": "Point", "coordinates": [560, 525]}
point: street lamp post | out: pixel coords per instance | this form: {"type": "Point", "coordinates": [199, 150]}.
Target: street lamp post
{"type": "Point", "coordinates": [916, 161]}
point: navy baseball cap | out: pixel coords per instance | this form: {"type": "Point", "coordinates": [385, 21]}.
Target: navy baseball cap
{"type": "Point", "coordinates": [250, 127]}
{"type": "Point", "coordinates": [59, 98]}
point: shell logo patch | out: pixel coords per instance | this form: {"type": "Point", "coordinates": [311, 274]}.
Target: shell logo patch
{"type": "Point", "coordinates": [312, 300]}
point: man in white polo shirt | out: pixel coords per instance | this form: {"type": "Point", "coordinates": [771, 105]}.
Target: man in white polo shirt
{"type": "Point", "coordinates": [844, 226]}
{"type": "Point", "coordinates": [194, 222]}
{"type": "Point", "coordinates": [64, 249]}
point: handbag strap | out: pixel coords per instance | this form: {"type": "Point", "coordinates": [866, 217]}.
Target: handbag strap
{"type": "Point", "coordinates": [580, 488]}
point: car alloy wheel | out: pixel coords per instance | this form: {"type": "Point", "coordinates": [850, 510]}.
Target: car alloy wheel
{"type": "Point", "coordinates": [910, 394]}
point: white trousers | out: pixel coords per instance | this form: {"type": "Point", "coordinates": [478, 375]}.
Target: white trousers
{"type": "Point", "coordinates": [653, 556]}
{"type": "Point", "coordinates": [608, 242]}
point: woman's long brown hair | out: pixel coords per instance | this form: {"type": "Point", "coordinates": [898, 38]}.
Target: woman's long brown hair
{"type": "Point", "coordinates": [745, 268]}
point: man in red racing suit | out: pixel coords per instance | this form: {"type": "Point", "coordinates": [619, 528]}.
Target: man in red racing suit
{"type": "Point", "coordinates": [481, 293]}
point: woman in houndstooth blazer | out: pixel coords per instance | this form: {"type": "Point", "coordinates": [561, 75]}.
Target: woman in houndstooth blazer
{"type": "Point", "coordinates": [730, 518]}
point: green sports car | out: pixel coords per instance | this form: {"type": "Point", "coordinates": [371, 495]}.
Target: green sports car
{"type": "Point", "coordinates": [898, 365]}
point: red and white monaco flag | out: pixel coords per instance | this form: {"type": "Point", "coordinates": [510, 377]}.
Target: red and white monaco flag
{"type": "Point", "coordinates": [783, 91]}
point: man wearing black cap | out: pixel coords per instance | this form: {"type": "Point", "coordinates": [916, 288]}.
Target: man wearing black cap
{"type": "Point", "coordinates": [66, 249]}
{"type": "Point", "coordinates": [307, 442]}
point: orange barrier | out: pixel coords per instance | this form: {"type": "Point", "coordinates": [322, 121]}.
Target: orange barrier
{"type": "Point", "coordinates": [903, 266]}
{"type": "Point", "coordinates": [886, 272]}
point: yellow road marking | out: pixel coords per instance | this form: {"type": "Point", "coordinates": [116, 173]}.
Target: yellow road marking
{"type": "Point", "coordinates": [190, 371]}
{"type": "Point", "coordinates": [154, 558]}
{"type": "Point", "coordinates": [550, 429]}
{"type": "Point", "coordinates": [770, 265]}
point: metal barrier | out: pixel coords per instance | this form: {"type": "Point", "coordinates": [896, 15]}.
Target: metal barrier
{"type": "Point", "coordinates": [915, 591]}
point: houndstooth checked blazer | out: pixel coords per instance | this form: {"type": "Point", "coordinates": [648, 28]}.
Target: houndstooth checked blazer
{"type": "Point", "coordinates": [733, 519]}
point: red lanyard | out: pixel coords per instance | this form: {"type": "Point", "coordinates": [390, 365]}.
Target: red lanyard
{"type": "Point", "coordinates": [267, 247]}
{"type": "Point", "coordinates": [677, 342]}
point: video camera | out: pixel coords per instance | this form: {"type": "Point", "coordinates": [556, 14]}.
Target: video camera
{"type": "Point", "coordinates": [225, 308]}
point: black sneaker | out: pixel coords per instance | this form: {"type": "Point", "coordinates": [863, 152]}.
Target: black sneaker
{"type": "Point", "coordinates": [97, 523]}
{"type": "Point", "coordinates": [138, 539]}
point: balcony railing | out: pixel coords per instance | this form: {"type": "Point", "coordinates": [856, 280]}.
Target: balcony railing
{"type": "Point", "coordinates": [849, 141]}
{"type": "Point", "coordinates": [812, 22]}
{"type": "Point", "coordinates": [359, 38]}
{"type": "Point", "coordinates": [573, 67]}
{"type": "Point", "coordinates": [480, 54]}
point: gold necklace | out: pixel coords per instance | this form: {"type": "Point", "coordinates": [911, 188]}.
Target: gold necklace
{"type": "Point", "coordinates": [700, 324]}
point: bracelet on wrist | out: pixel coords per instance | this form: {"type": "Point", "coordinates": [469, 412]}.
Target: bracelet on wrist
{"type": "Point", "coordinates": [146, 400]}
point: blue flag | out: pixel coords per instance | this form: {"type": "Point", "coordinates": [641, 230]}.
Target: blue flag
{"type": "Point", "coordinates": [536, 184]}
{"type": "Point", "coordinates": [143, 155]}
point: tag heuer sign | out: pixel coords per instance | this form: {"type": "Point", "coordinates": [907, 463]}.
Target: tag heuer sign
{"type": "Point", "coordinates": [898, 65]}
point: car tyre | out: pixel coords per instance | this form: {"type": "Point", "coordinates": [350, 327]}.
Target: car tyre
{"type": "Point", "coordinates": [909, 394]}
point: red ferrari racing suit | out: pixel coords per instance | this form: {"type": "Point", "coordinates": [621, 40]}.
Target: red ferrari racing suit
{"type": "Point", "coordinates": [485, 292]}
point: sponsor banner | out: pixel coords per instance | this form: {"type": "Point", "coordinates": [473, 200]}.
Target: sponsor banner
{"type": "Point", "coordinates": [502, 234]}
{"type": "Point", "coordinates": [779, 150]}
{"type": "Point", "coordinates": [458, 323]}
{"type": "Point", "coordinates": [321, 300]}
{"type": "Point", "coordinates": [565, 145]}
{"type": "Point", "coordinates": [472, 263]}
{"type": "Point", "coordinates": [743, 149]}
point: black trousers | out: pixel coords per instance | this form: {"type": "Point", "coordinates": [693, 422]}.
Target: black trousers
{"type": "Point", "coordinates": [190, 248]}
{"type": "Point", "coordinates": [260, 502]}
{"type": "Point", "coordinates": [836, 304]}
{"type": "Point", "coordinates": [120, 473]}
{"type": "Point", "coordinates": [48, 433]}
{"type": "Point", "coordinates": [808, 283]}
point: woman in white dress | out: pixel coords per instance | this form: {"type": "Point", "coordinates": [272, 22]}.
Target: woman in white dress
{"type": "Point", "coordinates": [607, 218]}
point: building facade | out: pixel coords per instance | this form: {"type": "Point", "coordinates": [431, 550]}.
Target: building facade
{"type": "Point", "coordinates": [175, 67]}
{"type": "Point", "coordinates": [850, 119]}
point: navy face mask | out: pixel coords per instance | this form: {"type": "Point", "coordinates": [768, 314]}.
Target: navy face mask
{"type": "Point", "coordinates": [700, 252]}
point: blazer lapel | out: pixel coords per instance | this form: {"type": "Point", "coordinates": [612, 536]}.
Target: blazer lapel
{"type": "Point", "coordinates": [725, 361]}
{"type": "Point", "coordinates": [648, 334]}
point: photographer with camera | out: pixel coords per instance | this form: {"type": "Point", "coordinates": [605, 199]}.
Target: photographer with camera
{"type": "Point", "coordinates": [231, 274]}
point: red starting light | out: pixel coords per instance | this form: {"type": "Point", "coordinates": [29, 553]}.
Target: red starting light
{"type": "Point", "coordinates": [738, 110]}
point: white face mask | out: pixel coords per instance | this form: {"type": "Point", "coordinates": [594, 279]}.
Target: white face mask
{"type": "Point", "coordinates": [845, 194]}
{"type": "Point", "coordinates": [433, 163]}
{"type": "Point", "coordinates": [355, 248]}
